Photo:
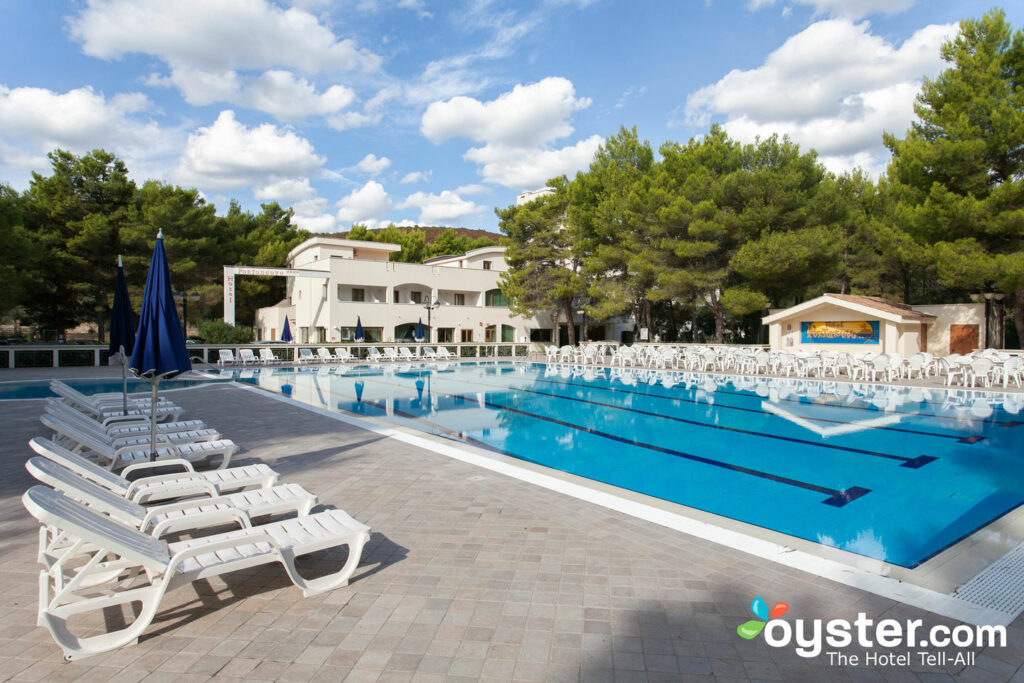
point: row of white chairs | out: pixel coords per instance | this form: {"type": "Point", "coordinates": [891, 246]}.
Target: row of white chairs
{"type": "Point", "coordinates": [985, 368]}
{"type": "Point", "coordinates": [341, 354]}
{"type": "Point", "coordinates": [107, 541]}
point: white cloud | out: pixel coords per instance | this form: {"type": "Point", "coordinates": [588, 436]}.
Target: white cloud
{"type": "Point", "coordinates": [834, 87]}
{"type": "Point", "coordinates": [33, 121]}
{"type": "Point", "coordinates": [631, 93]}
{"type": "Point", "coordinates": [850, 9]}
{"type": "Point", "coordinates": [216, 36]}
{"type": "Point", "coordinates": [524, 169]}
{"type": "Point", "coordinates": [311, 214]}
{"type": "Point", "coordinates": [472, 188]}
{"type": "Point", "coordinates": [369, 202]}
{"type": "Point", "coordinates": [279, 93]}
{"type": "Point", "coordinates": [372, 165]}
{"type": "Point", "coordinates": [228, 154]}
{"type": "Point", "coordinates": [415, 177]}
{"type": "Point", "coordinates": [529, 115]}
{"type": "Point", "coordinates": [286, 189]}
{"type": "Point", "coordinates": [440, 209]}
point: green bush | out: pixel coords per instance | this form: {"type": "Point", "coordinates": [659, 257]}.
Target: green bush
{"type": "Point", "coordinates": [219, 332]}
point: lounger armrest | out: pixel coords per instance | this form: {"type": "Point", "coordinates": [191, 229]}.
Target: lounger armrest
{"type": "Point", "coordinates": [177, 485]}
{"type": "Point", "coordinates": [166, 462]}
{"type": "Point", "coordinates": [196, 520]}
{"type": "Point", "coordinates": [204, 548]}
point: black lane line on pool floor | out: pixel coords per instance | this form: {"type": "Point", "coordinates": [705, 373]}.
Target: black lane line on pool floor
{"type": "Point", "coordinates": [910, 463]}
{"type": "Point", "coordinates": [972, 438]}
{"type": "Point", "coordinates": [837, 498]}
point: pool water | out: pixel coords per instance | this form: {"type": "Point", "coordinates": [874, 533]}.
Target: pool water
{"type": "Point", "coordinates": [893, 473]}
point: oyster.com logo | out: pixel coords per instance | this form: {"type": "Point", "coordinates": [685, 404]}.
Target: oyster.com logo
{"type": "Point", "coordinates": [751, 629]}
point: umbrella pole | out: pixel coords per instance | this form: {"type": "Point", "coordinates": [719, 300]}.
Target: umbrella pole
{"type": "Point", "coordinates": [124, 380]}
{"type": "Point", "coordinates": [152, 410]}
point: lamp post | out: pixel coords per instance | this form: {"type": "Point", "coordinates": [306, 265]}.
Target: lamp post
{"type": "Point", "coordinates": [185, 297]}
{"type": "Point", "coordinates": [430, 306]}
{"type": "Point", "coordinates": [583, 327]}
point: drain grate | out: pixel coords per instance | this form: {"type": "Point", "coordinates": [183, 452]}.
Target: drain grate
{"type": "Point", "coordinates": [1000, 586]}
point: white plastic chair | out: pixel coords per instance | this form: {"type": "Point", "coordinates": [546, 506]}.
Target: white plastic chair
{"type": "Point", "coordinates": [343, 354]}
{"type": "Point", "coordinates": [152, 488]}
{"type": "Point", "coordinates": [225, 357]}
{"type": "Point", "coordinates": [405, 354]}
{"type": "Point", "coordinates": [444, 354]}
{"type": "Point", "coordinates": [128, 566]}
{"type": "Point", "coordinates": [267, 356]}
{"type": "Point", "coordinates": [305, 355]}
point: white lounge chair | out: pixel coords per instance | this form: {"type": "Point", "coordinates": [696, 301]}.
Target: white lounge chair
{"type": "Point", "coordinates": [428, 352]}
{"type": "Point", "coordinates": [158, 487]}
{"type": "Point", "coordinates": [158, 520]}
{"type": "Point", "coordinates": [305, 355]}
{"type": "Point", "coordinates": [138, 435]}
{"type": "Point", "coordinates": [246, 356]}
{"type": "Point", "coordinates": [444, 354]}
{"type": "Point", "coordinates": [112, 405]}
{"type": "Point", "coordinates": [373, 354]}
{"type": "Point", "coordinates": [406, 355]}
{"type": "Point", "coordinates": [343, 354]}
{"type": "Point", "coordinates": [128, 566]}
{"type": "Point", "coordinates": [114, 458]}
{"type": "Point", "coordinates": [267, 356]}
{"type": "Point", "coordinates": [226, 357]}
{"type": "Point", "coordinates": [390, 353]}
{"type": "Point", "coordinates": [324, 355]}
{"type": "Point", "coordinates": [134, 424]}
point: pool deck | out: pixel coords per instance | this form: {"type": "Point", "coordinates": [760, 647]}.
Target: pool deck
{"type": "Point", "coordinates": [469, 575]}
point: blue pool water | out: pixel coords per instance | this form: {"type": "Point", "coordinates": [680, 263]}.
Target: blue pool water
{"type": "Point", "coordinates": [897, 474]}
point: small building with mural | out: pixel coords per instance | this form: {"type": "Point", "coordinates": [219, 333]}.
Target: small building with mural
{"type": "Point", "coordinates": [855, 323]}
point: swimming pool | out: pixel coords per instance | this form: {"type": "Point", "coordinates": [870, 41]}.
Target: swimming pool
{"type": "Point", "coordinates": [41, 388]}
{"type": "Point", "coordinates": [896, 474]}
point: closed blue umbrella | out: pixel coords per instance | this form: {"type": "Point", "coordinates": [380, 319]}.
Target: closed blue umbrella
{"type": "Point", "coordinates": [419, 331]}
{"type": "Point", "coordinates": [122, 329]}
{"type": "Point", "coordinates": [160, 349]}
{"type": "Point", "coordinates": [359, 330]}
{"type": "Point", "coordinates": [286, 333]}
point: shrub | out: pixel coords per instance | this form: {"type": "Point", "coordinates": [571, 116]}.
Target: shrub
{"type": "Point", "coordinates": [219, 332]}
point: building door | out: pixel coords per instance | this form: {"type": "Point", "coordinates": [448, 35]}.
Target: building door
{"type": "Point", "coordinates": [963, 338]}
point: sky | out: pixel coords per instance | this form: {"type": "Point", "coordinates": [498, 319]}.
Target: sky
{"type": "Point", "coordinates": [423, 112]}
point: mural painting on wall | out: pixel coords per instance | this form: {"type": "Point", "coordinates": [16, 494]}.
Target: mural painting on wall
{"type": "Point", "coordinates": [839, 332]}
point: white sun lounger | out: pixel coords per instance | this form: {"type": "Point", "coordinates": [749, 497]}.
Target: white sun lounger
{"type": "Point", "coordinates": [246, 356]}
{"type": "Point", "coordinates": [129, 566]}
{"type": "Point", "coordinates": [105, 407]}
{"type": "Point", "coordinates": [324, 355]}
{"type": "Point", "coordinates": [390, 353]}
{"type": "Point", "coordinates": [226, 357]}
{"type": "Point", "coordinates": [115, 458]}
{"type": "Point", "coordinates": [444, 354]}
{"type": "Point", "coordinates": [374, 355]}
{"type": "Point", "coordinates": [124, 427]}
{"type": "Point", "coordinates": [127, 435]}
{"type": "Point", "coordinates": [343, 354]}
{"type": "Point", "coordinates": [428, 352]}
{"type": "Point", "coordinates": [147, 489]}
{"type": "Point", "coordinates": [305, 355]}
{"type": "Point", "coordinates": [158, 520]}
{"type": "Point", "coordinates": [406, 355]}
{"type": "Point", "coordinates": [267, 356]}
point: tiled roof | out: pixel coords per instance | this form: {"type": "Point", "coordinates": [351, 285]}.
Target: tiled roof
{"type": "Point", "coordinates": [881, 304]}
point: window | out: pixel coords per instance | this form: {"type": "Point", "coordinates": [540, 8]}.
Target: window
{"type": "Point", "coordinates": [358, 294]}
{"type": "Point", "coordinates": [540, 335]}
{"type": "Point", "coordinates": [467, 335]}
{"type": "Point", "coordinates": [445, 335]}
{"type": "Point", "coordinates": [495, 297]}
{"type": "Point", "coordinates": [321, 335]}
{"type": "Point", "coordinates": [395, 296]}
{"type": "Point", "coordinates": [490, 333]}
{"type": "Point", "coordinates": [273, 334]}
{"type": "Point", "coordinates": [487, 265]}
{"type": "Point", "coordinates": [508, 333]}
{"type": "Point", "coordinates": [416, 297]}
{"type": "Point", "coordinates": [460, 299]}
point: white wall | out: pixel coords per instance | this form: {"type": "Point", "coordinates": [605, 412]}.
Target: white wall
{"type": "Point", "coordinates": [951, 314]}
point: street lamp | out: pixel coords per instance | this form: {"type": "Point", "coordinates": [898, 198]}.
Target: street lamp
{"type": "Point", "coordinates": [430, 306]}
{"type": "Point", "coordinates": [185, 298]}
{"type": "Point", "coordinates": [583, 328]}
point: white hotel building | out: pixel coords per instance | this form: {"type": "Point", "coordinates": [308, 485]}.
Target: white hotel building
{"type": "Point", "coordinates": [390, 298]}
